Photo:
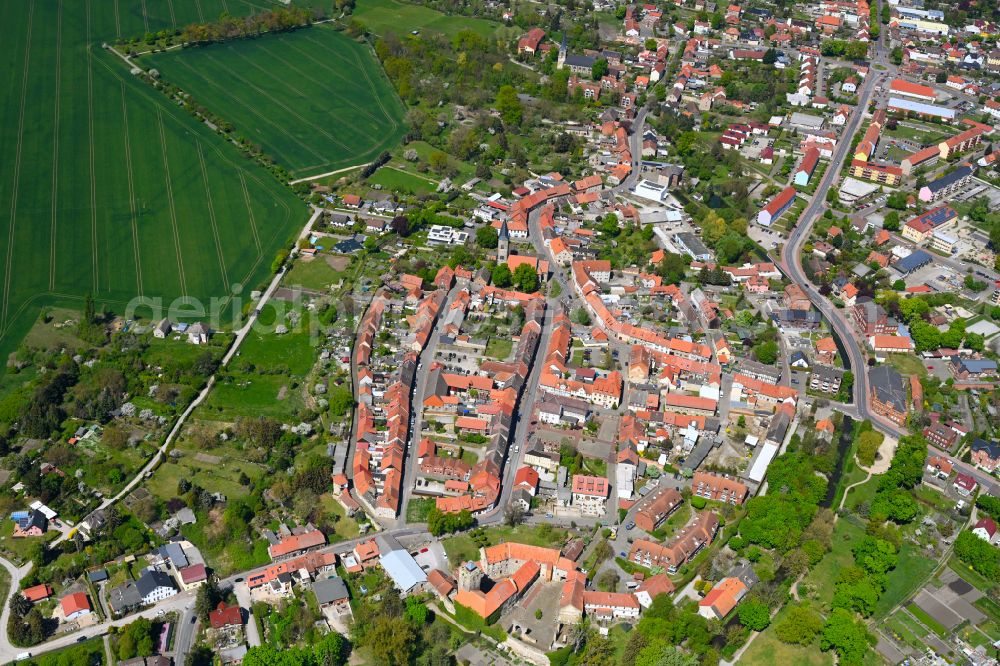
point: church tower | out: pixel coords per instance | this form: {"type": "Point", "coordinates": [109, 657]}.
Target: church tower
{"type": "Point", "coordinates": [503, 243]}
{"type": "Point", "coordinates": [562, 53]}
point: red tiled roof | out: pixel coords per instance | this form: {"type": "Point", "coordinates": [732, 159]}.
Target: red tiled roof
{"type": "Point", "coordinates": [75, 602]}
{"type": "Point", "coordinates": [225, 616]}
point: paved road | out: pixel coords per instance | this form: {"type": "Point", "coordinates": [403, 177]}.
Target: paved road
{"type": "Point", "coordinates": [427, 356]}
{"type": "Point", "coordinates": [186, 630]}
{"type": "Point", "coordinates": [791, 255]}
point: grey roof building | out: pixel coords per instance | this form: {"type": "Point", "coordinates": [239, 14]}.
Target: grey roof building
{"type": "Point", "coordinates": [330, 590]}
{"type": "Point", "coordinates": [124, 598]}
{"type": "Point", "coordinates": [888, 387]}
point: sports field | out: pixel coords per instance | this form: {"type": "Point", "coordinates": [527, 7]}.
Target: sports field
{"type": "Point", "coordinates": [108, 188]}
{"type": "Point", "coordinates": [315, 100]}
{"type": "Point", "coordinates": [382, 16]}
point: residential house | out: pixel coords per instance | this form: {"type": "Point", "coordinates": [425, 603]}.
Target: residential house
{"type": "Point", "coordinates": [722, 599]}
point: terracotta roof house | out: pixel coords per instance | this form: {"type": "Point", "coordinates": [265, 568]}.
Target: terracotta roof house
{"type": "Point", "coordinates": [75, 605]}
{"type": "Point", "coordinates": [722, 599]}
{"type": "Point", "coordinates": [226, 616]}
{"type": "Point", "coordinates": [37, 592]}
{"type": "Point", "coordinates": [297, 543]}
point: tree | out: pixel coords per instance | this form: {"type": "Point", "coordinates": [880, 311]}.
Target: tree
{"type": "Point", "coordinates": [868, 444]}
{"type": "Point", "coordinates": [891, 221]}
{"type": "Point", "coordinates": [895, 505]}
{"type": "Point", "coordinates": [754, 615]}
{"type": "Point", "coordinates": [847, 636]}
{"type": "Point", "coordinates": [391, 640]}
{"type": "Point", "coordinates": [925, 336]}
{"type": "Point", "coordinates": [439, 523]}
{"type": "Point", "coordinates": [209, 596]}
{"type": "Point", "coordinates": [526, 278]}
{"type": "Point", "coordinates": [581, 316]}
{"type": "Point", "coordinates": [766, 352]}
{"type": "Point", "coordinates": [19, 605]}
{"type": "Point", "coordinates": [607, 580]}
{"type": "Point", "coordinates": [400, 225]}
{"type": "Point", "coordinates": [136, 639]}
{"type": "Point", "coordinates": [502, 276]}
{"type": "Point", "coordinates": [513, 514]}
{"type": "Point", "coordinates": [486, 237]}
{"type": "Point", "coordinates": [799, 626]}
{"type": "Point", "coordinates": [979, 554]}
{"type": "Point", "coordinates": [876, 556]}
{"type": "Point", "coordinates": [599, 69]}
{"type": "Point", "coordinates": [509, 106]}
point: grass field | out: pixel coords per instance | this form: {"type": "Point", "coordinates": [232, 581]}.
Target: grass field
{"type": "Point", "coordinates": [766, 650]}
{"type": "Point", "coordinates": [823, 576]}
{"type": "Point", "coordinates": [108, 188]}
{"type": "Point", "coordinates": [313, 99]}
{"type": "Point", "coordinates": [382, 16]}
{"type": "Point", "coordinates": [398, 180]}
{"type": "Point", "coordinates": [315, 273]}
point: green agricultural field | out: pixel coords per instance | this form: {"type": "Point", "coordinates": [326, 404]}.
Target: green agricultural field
{"type": "Point", "coordinates": [382, 16]}
{"type": "Point", "coordinates": [107, 188]}
{"type": "Point", "coordinates": [314, 99]}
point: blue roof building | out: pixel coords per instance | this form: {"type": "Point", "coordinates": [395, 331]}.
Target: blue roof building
{"type": "Point", "coordinates": [918, 259]}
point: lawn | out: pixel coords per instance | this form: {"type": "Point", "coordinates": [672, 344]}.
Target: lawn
{"type": "Point", "coordinates": [418, 509]}
{"type": "Point", "coordinates": [461, 547]}
{"type": "Point", "coordinates": [863, 493]}
{"type": "Point", "coordinates": [314, 99]}
{"type": "Point", "coordinates": [823, 576]}
{"type": "Point", "coordinates": [19, 549]}
{"type": "Point", "coordinates": [382, 16]}
{"type": "Point", "coordinates": [293, 352]}
{"type": "Point", "coordinates": [343, 527]}
{"type": "Point", "coordinates": [109, 189]}
{"type": "Point", "coordinates": [399, 180]}
{"type": "Point", "coordinates": [86, 653]}
{"type": "Point", "coordinates": [314, 274]}
{"type": "Point", "coordinates": [767, 650]}
{"type": "Point", "coordinates": [907, 364]}
{"type": "Point", "coordinates": [910, 574]}
{"type": "Point", "coordinates": [251, 395]}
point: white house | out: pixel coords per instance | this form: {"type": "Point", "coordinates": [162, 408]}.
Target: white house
{"type": "Point", "coordinates": [155, 586]}
{"type": "Point", "coordinates": [162, 329]}
{"type": "Point", "coordinates": [198, 334]}
{"type": "Point", "coordinates": [986, 530]}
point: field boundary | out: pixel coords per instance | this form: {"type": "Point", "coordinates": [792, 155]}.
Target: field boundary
{"type": "Point", "coordinates": [211, 217]}
{"type": "Point", "coordinates": [55, 151]}
{"type": "Point", "coordinates": [250, 216]}
{"type": "Point", "coordinates": [254, 111]}
{"type": "Point", "coordinates": [280, 103]}
{"type": "Point", "coordinates": [170, 204]}
{"type": "Point", "coordinates": [17, 167]}
{"type": "Point", "coordinates": [341, 77]}
{"type": "Point", "coordinates": [131, 193]}
{"type": "Point", "coordinates": [94, 254]}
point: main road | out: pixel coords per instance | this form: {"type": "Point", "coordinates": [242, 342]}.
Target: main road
{"type": "Point", "coordinates": [791, 254]}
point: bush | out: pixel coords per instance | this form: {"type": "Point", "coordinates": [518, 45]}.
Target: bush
{"type": "Point", "coordinates": [698, 502]}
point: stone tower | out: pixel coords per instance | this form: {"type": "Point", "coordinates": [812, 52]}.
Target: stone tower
{"type": "Point", "coordinates": [503, 243]}
{"type": "Point", "coordinates": [562, 53]}
{"type": "Point", "coordinates": [470, 577]}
